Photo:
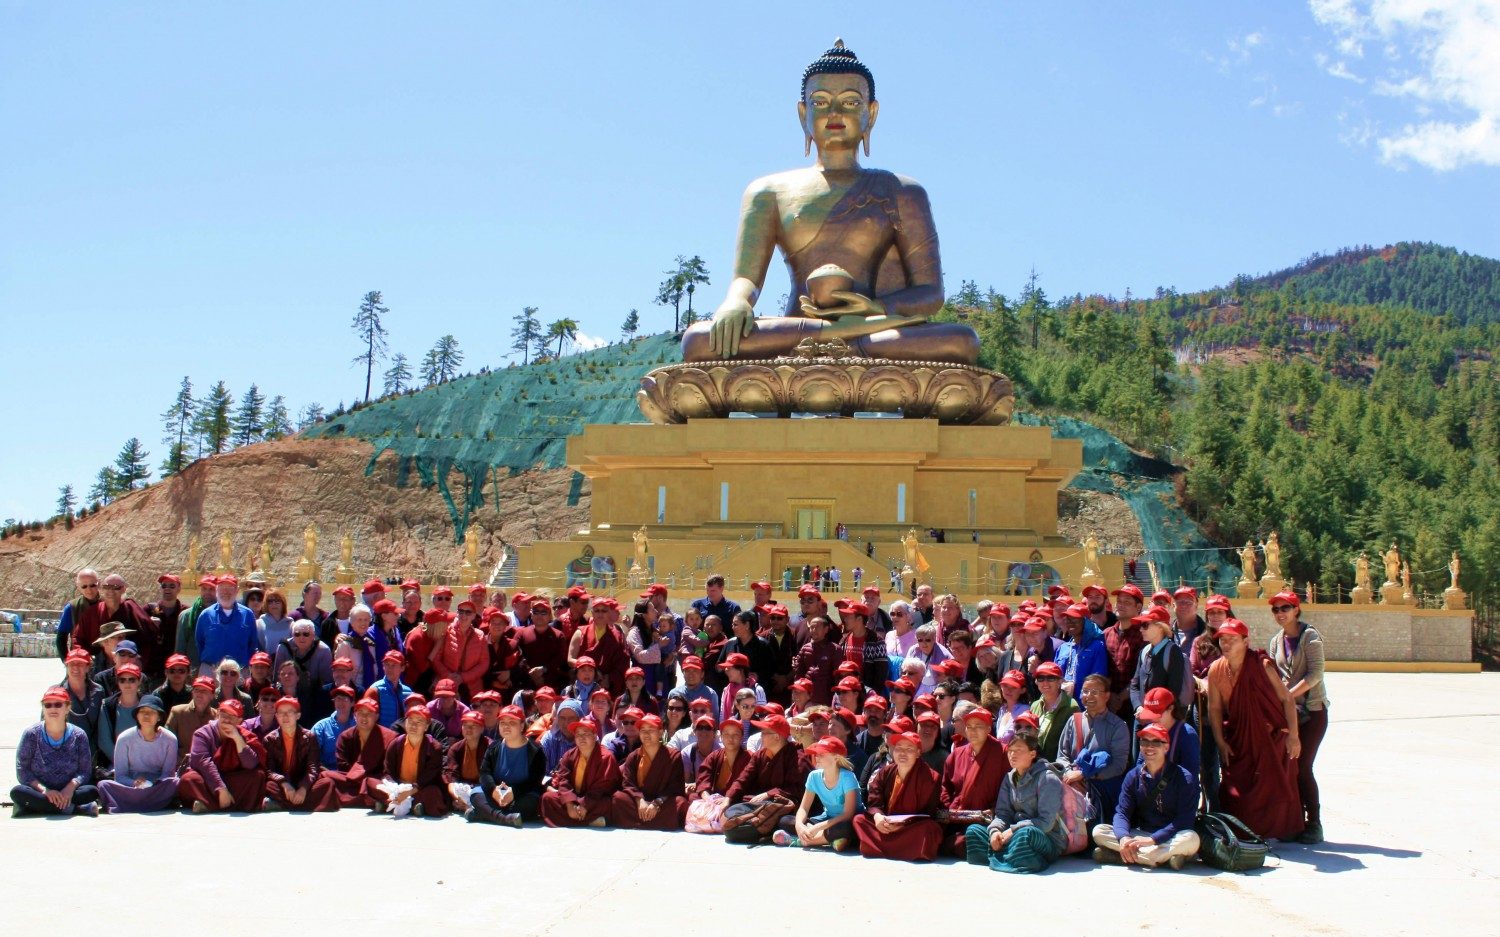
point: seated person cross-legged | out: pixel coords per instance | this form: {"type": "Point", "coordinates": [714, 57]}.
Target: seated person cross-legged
{"type": "Point", "coordinates": [54, 764]}
{"type": "Point", "coordinates": [584, 784]}
{"type": "Point", "coordinates": [903, 800]}
{"type": "Point", "coordinates": [294, 766]}
{"type": "Point", "coordinates": [1027, 834]}
{"type": "Point", "coordinates": [512, 776]}
{"type": "Point", "coordinates": [651, 781]}
{"type": "Point", "coordinates": [226, 765]}
{"type": "Point", "coordinates": [1153, 821]}
{"type": "Point", "coordinates": [413, 770]}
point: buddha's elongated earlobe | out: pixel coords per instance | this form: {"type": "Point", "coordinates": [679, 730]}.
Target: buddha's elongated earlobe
{"type": "Point", "coordinates": [807, 145]}
{"type": "Point", "coordinates": [866, 139]}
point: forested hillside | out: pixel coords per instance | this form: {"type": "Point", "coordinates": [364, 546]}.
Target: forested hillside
{"type": "Point", "coordinates": [1342, 403]}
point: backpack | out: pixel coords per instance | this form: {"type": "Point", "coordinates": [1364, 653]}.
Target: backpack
{"type": "Point", "coordinates": [1077, 811]}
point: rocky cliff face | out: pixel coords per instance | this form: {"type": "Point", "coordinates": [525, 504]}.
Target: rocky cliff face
{"type": "Point", "coordinates": [271, 492]}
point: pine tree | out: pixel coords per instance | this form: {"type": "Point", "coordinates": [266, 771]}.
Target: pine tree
{"type": "Point", "coordinates": [105, 487]}
{"type": "Point", "coordinates": [312, 413]}
{"type": "Point", "coordinates": [441, 361]}
{"type": "Point", "coordinates": [130, 466]}
{"type": "Point", "coordinates": [371, 332]}
{"type": "Point", "coordinates": [430, 370]}
{"type": "Point", "coordinates": [180, 428]}
{"type": "Point", "coordinates": [249, 420]}
{"type": "Point", "coordinates": [632, 325]}
{"type": "Point", "coordinates": [398, 375]}
{"type": "Point", "coordinates": [562, 330]}
{"type": "Point", "coordinates": [212, 421]}
{"type": "Point", "coordinates": [66, 502]}
{"type": "Point", "coordinates": [1035, 310]}
{"type": "Point", "coordinates": [278, 420]}
{"type": "Point", "coordinates": [523, 337]}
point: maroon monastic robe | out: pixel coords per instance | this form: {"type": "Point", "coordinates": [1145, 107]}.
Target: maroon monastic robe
{"type": "Point", "coordinates": [1259, 785]}
{"type": "Point", "coordinates": [305, 770]}
{"type": "Point", "coordinates": [601, 778]}
{"type": "Point", "coordinates": [664, 779]}
{"type": "Point", "coordinates": [971, 783]}
{"type": "Point", "coordinates": [360, 767]}
{"type": "Point", "coordinates": [919, 793]}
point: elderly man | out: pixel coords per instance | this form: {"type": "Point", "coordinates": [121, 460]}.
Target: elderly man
{"type": "Point", "coordinates": [544, 648]}
{"type": "Point", "coordinates": [175, 690]}
{"type": "Point", "coordinates": [313, 658]}
{"type": "Point", "coordinates": [651, 795]}
{"type": "Point", "coordinates": [923, 605]}
{"type": "Point", "coordinates": [360, 755]}
{"type": "Point", "coordinates": [79, 624]}
{"type": "Point", "coordinates": [184, 719]}
{"type": "Point", "coordinates": [1093, 753]}
{"type": "Point", "coordinates": [225, 765]}
{"type": "Point", "coordinates": [294, 765]}
{"type": "Point", "coordinates": [971, 780]}
{"type": "Point", "coordinates": [225, 629]}
{"type": "Point", "coordinates": [1153, 821]}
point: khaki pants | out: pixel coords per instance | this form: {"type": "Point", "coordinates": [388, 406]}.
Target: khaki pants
{"type": "Point", "coordinates": [1184, 843]}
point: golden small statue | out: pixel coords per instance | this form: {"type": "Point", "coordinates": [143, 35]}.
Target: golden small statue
{"type": "Point", "coordinates": [1272, 550]}
{"type": "Point", "coordinates": [309, 544]}
{"type": "Point", "coordinates": [909, 543]}
{"type": "Point", "coordinates": [194, 549]}
{"type": "Point", "coordinates": [265, 556]}
{"type": "Point", "coordinates": [1453, 597]}
{"type": "Point", "coordinates": [642, 545]}
{"type": "Point", "coordinates": [1392, 564]}
{"type": "Point", "coordinates": [1090, 555]}
{"type": "Point", "coordinates": [1362, 574]}
{"type": "Point", "coordinates": [471, 546]}
{"type": "Point", "coordinates": [1247, 562]}
{"type": "Point", "coordinates": [226, 553]}
{"type": "Point", "coordinates": [346, 551]}
{"type": "Point", "coordinates": [873, 224]}
{"type": "Point", "coordinates": [1453, 571]}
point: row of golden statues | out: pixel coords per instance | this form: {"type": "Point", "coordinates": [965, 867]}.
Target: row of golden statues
{"type": "Point", "coordinates": [1396, 590]}
{"type": "Point", "coordinates": [257, 566]}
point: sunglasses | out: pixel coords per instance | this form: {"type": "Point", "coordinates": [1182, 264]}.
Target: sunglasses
{"type": "Point", "coordinates": [128, 680]}
{"type": "Point", "coordinates": [1152, 743]}
{"type": "Point", "coordinates": [113, 588]}
{"type": "Point", "coordinates": [54, 705]}
{"type": "Point", "coordinates": [942, 696]}
{"type": "Point", "coordinates": [229, 673]}
{"type": "Point", "coordinates": [676, 709]}
{"type": "Point", "coordinates": [177, 670]}
{"type": "Point", "coordinates": [1280, 609]}
{"type": "Point", "coordinates": [627, 722]}
{"type": "Point", "coordinates": [1048, 679]}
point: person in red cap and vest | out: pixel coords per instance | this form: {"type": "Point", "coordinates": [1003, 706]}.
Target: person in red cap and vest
{"type": "Point", "coordinates": [464, 657]}
{"type": "Point", "coordinates": [360, 754]}
{"type": "Point", "coordinates": [1122, 646]}
{"type": "Point", "coordinates": [971, 780]}
{"type": "Point", "coordinates": [424, 645]}
{"type": "Point", "coordinates": [818, 661]}
{"type": "Point", "coordinates": [1254, 723]}
{"type": "Point", "coordinates": [583, 786]}
{"type": "Point", "coordinates": [225, 765]}
{"type": "Point", "coordinates": [651, 795]}
{"type": "Point", "coordinates": [905, 796]}
{"type": "Point", "coordinates": [1053, 709]}
{"type": "Point", "coordinates": [294, 769]}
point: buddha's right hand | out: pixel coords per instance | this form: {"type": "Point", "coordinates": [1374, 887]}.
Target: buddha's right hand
{"type": "Point", "coordinates": [733, 322]}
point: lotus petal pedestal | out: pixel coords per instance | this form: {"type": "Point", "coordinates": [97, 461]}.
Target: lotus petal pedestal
{"type": "Point", "coordinates": [822, 379]}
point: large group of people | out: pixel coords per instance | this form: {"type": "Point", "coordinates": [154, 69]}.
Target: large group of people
{"type": "Point", "coordinates": [1103, 722]}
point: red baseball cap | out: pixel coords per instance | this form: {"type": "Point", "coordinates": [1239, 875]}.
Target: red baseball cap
{"type": "Point", "coordinates": [847, 669]}
{"type": "Point", "coordinates": [204, 683]}
{"type": "Point", "coordinates": [178, 660]}
{"type": "Point", "coordinates": [803, 684]}
{"type": "Point", "coordinates": [445, 687]}
{"type": "Point", "coordinates": [1028, 719]}
{"type": "Point", "coordinates": [586, 723]}
{"type": "Point", "coordinates": [692, 663]}
{"type": "Point", "coordinates": [1285, 597]}
{"type": "Point", "coordinates": [1048, 669]}
{"type": "Point", "coordinates": [227, 581]}
{"type": "Point", "coordinates": [828, 745]}
{"type": "Point", "coordinates": [929, 718]}
{"type": "Point", "coordinates": [925, 701]}
{"type": "Point", "coordinates": [1152, 731]}
{"type": "Point", "coordinates": [207, 581]}
{"type": "Point", "coordinates": [1234, 626]}
{"type": "Point", "coordinates": [903, 738]}
{"type": "Point", "coordinates": [291, 701]}
{"type": "Point", "coordinates": [233, 707]}
{"type": "Point", "coordinates": [260, 658]}
{"type": "Point", "coordinates": [1186, 592]}
{"type": "Point", "coordinates": [1154, 703]}
{"type": "Point", "coordinates": [1077, 610]}
{"type": "Point", "coordinates": [345, 691]}
{"type": "Point", "coordinates": [1095, 589]}
{"type": "Point", "coordinates": [651, 720]}
{"type": "Point", "coordinates": [1220, 602]}
{"type": "Point", "coordinates": [472, 717]}
{"type": "Point", "coordinates": [777, 724]}
{"type": "Point", "coordinates": [849, 685]}
{"type": "Point", "coordinates": [1132, 590]}
{"type": "Point", "coordinates": [584, 661]}
{"type": "Point", "coordinates": [393, 657]}
{"type": "Point", "coordinates": [735, 660]}
{"type": "Point", "coordinates": [385, 607]}
{"type": "Point", "coordinates": [1161, 594]}
{"type": "Point", "coordinates": [478, 588]}
{"type": "Point", "coordinates": [876, 702]}
{"type": "Point", "coordinates": [372, 585]}
{"type": "Point", "coordinates": [707, 722]}
{"type": "Point", "coordinates": [1014, 678]}
{"type": "Point", "coordinates": [344, 590]}
{"type": "Point", "coordinates": [901, 685]}
{"type": "Point", "coordinates": [578, 592]}
{"type": "Point", "coordinates": [342, 663]}
{"type": "Point", "coordinates": [979, 714]}
{"type": "Point", "coordinates": [656, 588]}
{"type": "Point", "coordinates": [410, 585]}
{"type": "Point", "coordinates": [78, 655]}
{"type": "Point", "coordinates": [634, 672]}
{"type": "Point", "coordinates": [165, 578]}
{"type": "Point", "coordinates": [512, 712]}
{"type": "Point", "coordinates": [761, 586]}
{"type": "Point", "coordinates": [442, 592]}
{"type": "Point", "coordinates": [949, 668]}
{"type": "Point", "coordinates": [367, 705]}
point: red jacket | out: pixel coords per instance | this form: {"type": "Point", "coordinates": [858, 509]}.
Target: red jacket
{"type": "Point", "coordinates": [464, 657]}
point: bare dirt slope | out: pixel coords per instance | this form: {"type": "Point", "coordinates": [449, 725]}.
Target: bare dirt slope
{"type": "Point", "coordinates": [272, 491]}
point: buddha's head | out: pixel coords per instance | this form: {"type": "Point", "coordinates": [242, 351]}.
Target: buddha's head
{"type": "Point", "coordinates": [838, 106]}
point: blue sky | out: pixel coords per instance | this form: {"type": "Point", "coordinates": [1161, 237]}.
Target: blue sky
{"type": "Point", "coordinates": [209, 190]}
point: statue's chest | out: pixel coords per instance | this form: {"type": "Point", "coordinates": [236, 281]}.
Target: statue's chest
{"type": "Point", "coordinates": [817, 210]}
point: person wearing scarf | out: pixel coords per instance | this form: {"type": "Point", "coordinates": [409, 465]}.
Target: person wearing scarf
{"type": "Point", "coordinates": [224, 765]}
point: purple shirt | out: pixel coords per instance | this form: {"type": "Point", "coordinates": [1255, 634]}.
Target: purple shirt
{"type": "Point", "coordinates": [201, 756]}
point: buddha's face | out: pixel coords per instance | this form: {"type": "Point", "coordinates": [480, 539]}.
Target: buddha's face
{"type": "Point", "coordinates": [836, 110]}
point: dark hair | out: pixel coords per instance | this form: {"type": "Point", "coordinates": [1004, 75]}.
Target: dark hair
{"type": "Point", "coordinates": [748, 619]}
{"type": "Point", "coordinates": [967, 637]}
{"type": "Point", "coordinates": [638, 622]}
{"type": "Point", "coordinates": [838, 61]}
{"type": "Point", "coordinates": [1027, 740]}
{"type": "Point", "coordinates": [969, 686]}
{"type": "Point", "coordinates": [949, 686]}
{"type": "Point", "coordinates": [1101, 678]}
{"type": "Point", "coordinates": [714, 580]}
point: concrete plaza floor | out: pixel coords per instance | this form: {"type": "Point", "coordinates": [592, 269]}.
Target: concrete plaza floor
{"type": "Point", "coordinates": [1411, 829]}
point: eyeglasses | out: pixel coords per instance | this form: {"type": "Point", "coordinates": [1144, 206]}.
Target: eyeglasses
{"type": "Point", "coordinates": [113, 588]}
{"type": "Point", "coordinates": [229, 673]}
{"type": "Point", "coordinates": [1048, 679]}
{"type": "Point", "coordinates": [1152, 743]}
{"type": "Point", "coordinates": [54, 705]}
{"type": "Point", "coordinates": [676, 709]}
{"type": "Point", "coordinates": [627, 722]}
{"type": "Point", "coordinates": [1280, 609]}
{"type": "Point", "coordinates": [124, 680]}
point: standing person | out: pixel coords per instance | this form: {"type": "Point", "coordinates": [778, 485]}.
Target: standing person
{"type": "Point", "coordinates": [54, 764]}
{"type": "Point", "coordinates": [312, 594]}
{"type": "Point", "coordinates": [651, 795]}
{"type": "Point", "coordinates": [326, 731]}
{"type": "Point", "coordinates": [161, 640]}
{"type": "Point", "coordinates": [464, 656]}
{"type": "Point", "coordinates": [1122, 645]}
{"type": "Point", "coordinates": [1254, 722]}
{"type": "Point", "coordinates": [313, 658]}
{"type": "Point", "coordinates": [1298, 655]}
{"type": "Point", "coordinates": [909, 790]}
{"type": "Point", "coordinates": [600, 638]}
{"type": "Point", "coordinates": [185, 719]}
{"type": "Point", "coordinates": [1083, 651]}
{"type": "Point", "coordinates": [862, 648]}
{"type": "Point", "coordinates": [646, 646]}
{"type": "Point", "coordinates": [85, 696]}
{"type": "Point", "coordinates": [411, 617]}
{"type": "Point", "coordinates": [714, 602]}
{"type": "Point", "coordinates": [79, 623]}
{"type": "Point", "coordinates": [544, 649]}
{"type": "Point", "coordinates": [1027, 833]}
{"type": "Point", "coordinates": [784, 645]}
{"type": "Point", "coordinates": [145, 778]}
{"type": "Point", "coordinates": [339, 622]}
{"type": "Point", "coordinates": [1161, 663]}
{"type": "Point", "coordinates": [818, 661]}
{"type": "Point", "coordinates": [1153, 822]}
{"type": "Point", "coordinates": [225, 629]}
{"type": "Point", "coordinates": [274, 625]}
{"type": "Point", "coordinates": [760, 660]}
{"type": "Point", "coordinates": [187, 622]}
{"type": "Point", "coordinates": [175, 690]}
{"type": "Point", "coordinates": [1053, 709]}
{"type": "Point", "coordinates": [224, 765]}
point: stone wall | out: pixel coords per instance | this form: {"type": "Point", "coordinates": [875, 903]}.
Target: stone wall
{"type": "Point", "coordinates": [1377, 632]}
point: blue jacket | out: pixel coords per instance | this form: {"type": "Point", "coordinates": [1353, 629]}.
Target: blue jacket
{"type": "Point", "coordinates": [392, 702]}
{"type": "Point", "coordinates": [1184, 749]}
{"type": "Point", "coordinates": [326, 731]}
{"type": "Point", "coordinates": [222, 634]}
{"type": "Point", "coordinates": [1082, 656]}
{"type": "Point", "coordinates": [1160, 817]}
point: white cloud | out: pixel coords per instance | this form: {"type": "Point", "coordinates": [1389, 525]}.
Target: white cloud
{"type": "Point", "coordinates": [588, 342]}
{"type": "Point", "coordinates": [1453, 45]}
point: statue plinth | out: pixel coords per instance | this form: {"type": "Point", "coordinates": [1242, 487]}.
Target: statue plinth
{"type": "Point", "coordinates": [469, 573]}
{"type": "Point", "coordinates": [1248, 589]}
{"type": "Point", "coordinates": [308, 571]}
{"type": "Point", "coordinates": [1270, 585]}
{"type": "Point", "coordinates": [1088, 578]}
{"type": "Point", "coordinates": [345, 575]}
{"type": "Point", "coordinates": [1454, 599]}
{"type": "Point", "coordinates": [823, 378]}
{"type": "Point", "coordinates": [1359, 595]}
{"type": "Point", "coordinates": [1390, 594]}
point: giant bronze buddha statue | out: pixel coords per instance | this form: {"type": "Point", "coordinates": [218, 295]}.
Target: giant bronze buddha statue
{"type": "Point", "coordinates": [873, 224]}
{"type": "Point", "coordinates": [862, 252]}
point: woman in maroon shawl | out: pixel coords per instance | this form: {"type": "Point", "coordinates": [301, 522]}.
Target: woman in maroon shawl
{"type": "Point", "coordinates": [584, 784]}
{"type": "Point", "coordinates": [971, 779]}
{"type": "Point", "coordinates": [903, 787]}
{"type": "Point", "coordinates": [225, 766]}
{"type": "Point", "coordinates": [651, 784]}
{"type": "Point", "coordinates": [1254, 722]}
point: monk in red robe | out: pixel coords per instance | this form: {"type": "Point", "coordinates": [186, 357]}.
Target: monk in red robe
{"type": "Point", "coordinates": [462, 762]}
{"type": "Point", "coordinates": [294, 769]}
{"type": "Point", "coordinates": [600, 638]}
{"type": "Point", "coordinates": [360, 756]}
{"type": "Point", "coordinates": [651, 784]}
{"type": "Point", "coordinates": [1254, 721]}
{"type": "Point", "coordinates": [415, 758]}
{"type": "Point", "coordinates": [225, 765]}
{"type": "Point", "coordinates": [584, 784]}
{"type": "Point", "coordinates": [722, 765]}
{"type": "Point", "coordinates": [971, 780]}
{"type": "Point", "coordinates": [908, 788]}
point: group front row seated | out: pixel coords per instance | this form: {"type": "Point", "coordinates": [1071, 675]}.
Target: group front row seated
{"type": "Point", "coordinates": [995, 804]}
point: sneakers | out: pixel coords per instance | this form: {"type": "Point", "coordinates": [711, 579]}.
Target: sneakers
{"type": "Point", "coordinates": [839, 845]}
{"type": "Point", "coordinates": [272, 806]}
{"type": "Point", "coordinates": [1177, 862]}
{"type": "Point", "coordinates": [86, 810]}
{"type": "Point", "coordinates": [419, 811]}
{"type": "Point", "coordinates": [200, 807]}
{"type": "Point", "coordinates": [783, 838]}
{"type": "Point", "coordinates": [471, 815]}
{"type": "Point", "coordinates": [1107, 856]}
{"type": "Point", "coordinates": [598, 822]}
{"type": "Point", "coordinates": [514, 819]}
{"type": "Point", "coordinates": [1312, 835]}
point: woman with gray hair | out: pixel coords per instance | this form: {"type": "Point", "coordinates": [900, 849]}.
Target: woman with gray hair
{"type": "Point", "coordinates": [903, 635]}
{"type": "Point", "coordinates": [359, 646]}
{"type": "Point", "coordinates": [928, 652]}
